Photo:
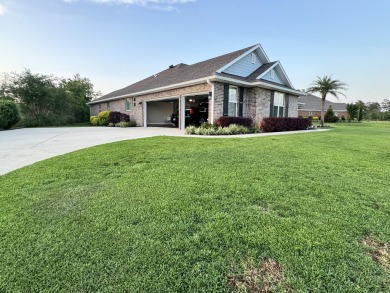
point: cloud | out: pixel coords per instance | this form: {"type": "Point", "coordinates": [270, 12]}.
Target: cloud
{"type": "Point", "coordinates": [2, 9]}
{"type": "Point", "coordinates": [163, 5]}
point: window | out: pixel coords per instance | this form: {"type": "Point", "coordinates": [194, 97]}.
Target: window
{"type": "Point", "coordinates": [310, 113]}
{"type": "Point", "coordinates": [253, 58]}
{"type": "Point", "coordinates": [233, 101]}
{"type": "Point", "coordinates": [272, 73]}
{"type": "Point", "coordinates": [100, 108]}
{"type": "Point", "coordinates": [128, 104]}
{"type": "Point", "coordinates": [278, 105]}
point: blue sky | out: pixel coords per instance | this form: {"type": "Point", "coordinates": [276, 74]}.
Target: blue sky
{"type": "Point", "coordinates": [118, 42]}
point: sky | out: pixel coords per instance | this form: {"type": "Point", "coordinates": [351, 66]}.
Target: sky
{"type": "Point", "coordinates": [115, 43]}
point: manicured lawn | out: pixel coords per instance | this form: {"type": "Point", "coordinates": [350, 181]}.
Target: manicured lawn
{"type": "Point", "coordinates": [185, 214]}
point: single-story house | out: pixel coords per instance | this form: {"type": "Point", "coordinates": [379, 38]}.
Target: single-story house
{"type": "Point", "coordinates": [242, 83]}
{"type": "Point", "coordinates": [310, 105]}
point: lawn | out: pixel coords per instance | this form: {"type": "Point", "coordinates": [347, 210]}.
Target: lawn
{"type": "Point", "coordinates": [181, 214]}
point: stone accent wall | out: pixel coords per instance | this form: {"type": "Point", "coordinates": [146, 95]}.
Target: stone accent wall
{"type": "Point", "coordinates": [293, 106]}
{"type": "Point", "coordinates": [218, 100]}
{"type": "Point", "coordinates": [136, 113]}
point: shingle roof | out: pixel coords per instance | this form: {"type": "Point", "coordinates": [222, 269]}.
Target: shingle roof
{"type": "Point", "coordinates": [177, 74]}
{"type": "Point", "coordinates": [314, 103]}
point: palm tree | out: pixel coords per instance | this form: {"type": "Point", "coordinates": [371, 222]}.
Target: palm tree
{"type": "Point", "coordinates": [326, 85]}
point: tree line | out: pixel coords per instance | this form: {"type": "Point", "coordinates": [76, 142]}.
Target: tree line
{"type": "Point", "coordinates": [46, 100]}
{"type": "Point", "coordinates": [369, 111]}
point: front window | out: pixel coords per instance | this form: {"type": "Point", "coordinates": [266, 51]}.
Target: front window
{"type": "Point", "coordinates": [279, 105]}
{"type": "Point", "coordinates": [233, 101]}
{"type": "Point", "coordinates": [128, 104]}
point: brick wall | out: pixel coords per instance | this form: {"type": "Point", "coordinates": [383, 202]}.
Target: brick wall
{"type": "Point", "coordinates": [136, 113]}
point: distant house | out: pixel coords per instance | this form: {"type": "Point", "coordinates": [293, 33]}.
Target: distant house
{"type": "Point", "coordinates": [310, 105]}
{"type": "Point", "coordinates": [242, 83]}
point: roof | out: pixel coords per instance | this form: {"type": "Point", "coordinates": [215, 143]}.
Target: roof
{"type": "Point", "coordinates": [177, 74]}
{"type": "Point", "coordinates": [184, 74]}
{"type": "Point", "coordinates": [314, 103]}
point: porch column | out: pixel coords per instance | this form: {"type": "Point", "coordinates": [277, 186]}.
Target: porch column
{"type": "Point", "coordinates": [182, 112]}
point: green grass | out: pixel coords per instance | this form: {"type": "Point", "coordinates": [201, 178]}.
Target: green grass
{"type": "Point", "coordinates": [181, 214]}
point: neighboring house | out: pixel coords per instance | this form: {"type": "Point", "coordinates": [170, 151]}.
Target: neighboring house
{"type": "Point", "coordinates": [242, 83]}
{"type": "Point", "coordinates": [309, 105]}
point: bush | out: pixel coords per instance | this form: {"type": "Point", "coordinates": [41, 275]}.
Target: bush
{"type": "Point", "coordinates": [132, 123]}
{"type": "Point", "coordinates": [114, 117]}
{"type": "Point", "coordinates": [9, 114]}
{"type": "Point", "coordinates": [343, 118]}
{"type": "Point", "coordinates": [122, 124]}
{"type": "Point", "coordinates": [315, 118]}
{"type": "Point", "coordinates": [225, 121]}
{"type": "Point", "coordinates": [229, 130]}
{"type": "Point", "coordinates": [330, 117]}
{"type": "Point", "coordinates": [277, 124]}
{"type": "Point", "coordinates": [206, 125]}
{"type": "Point", "coordinates": [124, 118]}
{"type": "Point", "coordinates": [94, 120]}
{"type": "Point", "coordinates": [103, 117]}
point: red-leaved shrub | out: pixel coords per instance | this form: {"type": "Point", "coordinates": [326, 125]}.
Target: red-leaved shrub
{"type": "Point", "coordinates": [277, 124]}
{"type": "Point", "coordinates": [225, 121]}
{"type": "Point", "coordinates": [116, 117]}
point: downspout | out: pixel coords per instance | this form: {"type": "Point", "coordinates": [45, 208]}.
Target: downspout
{"type": "Point", "coordinates": [212, 101]}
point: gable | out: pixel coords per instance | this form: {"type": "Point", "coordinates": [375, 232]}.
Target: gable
{"type": "Point", "coordinates": [274, 77]}
{"type": "Point", "coordinates": [245, 66]}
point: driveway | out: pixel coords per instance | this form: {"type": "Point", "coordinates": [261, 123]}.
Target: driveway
{"type": "Point", "coordinates": [22, 147]}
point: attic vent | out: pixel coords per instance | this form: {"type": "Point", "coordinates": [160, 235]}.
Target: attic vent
{"type": "Point", "coordinates": [272, 74]}
{"type": "Point", "coordinates": [253, 58]}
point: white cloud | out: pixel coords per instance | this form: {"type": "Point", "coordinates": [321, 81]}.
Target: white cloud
{"type": "Point", "coordinates": [163, 5]}
{"type": "Point", "coordinates": [2, 9]}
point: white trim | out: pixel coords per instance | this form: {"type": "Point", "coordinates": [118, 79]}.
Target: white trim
{"type": "Point", "coordinates": [265, 72]}
{"type": "Point", "coordinates": [258, 46]}
{"type": "Point", "coordinates": [162, 99]}
{"type": "Point", "coordinates": [281, 69]}
{"type": "Point", "coordinates": [145, 113]}
{"type": "Point", "coordinates": [182, 112]}
{"type": "Point", "coordinates": [258, 83]}
{"type": "Point", "coordinates": [164, 88]}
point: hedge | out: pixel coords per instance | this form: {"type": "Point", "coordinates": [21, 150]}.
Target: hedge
{"type": "Point", "coordinates": [226, 121]}
{"type": "Point", "coordinates": [9, 114]}
{"type": "Point", "coordinates": [277, 124]}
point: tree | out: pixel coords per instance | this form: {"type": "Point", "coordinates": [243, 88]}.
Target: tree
{"type": "Point", "coordinates": [329, 115]}
{"type": "Point", "coordinates": [373, 110]}
{"type": "Point", "coordinates": [80, 91]}
{"type": "Point", "coordinates": [47, 100]}
{"type": "Point", "coordinates": [362, 110]}
{"type": "Point", "coordinates": [9, 114]}
{"type": "Point", "coordinates": [353, 110]}
{"type": "Point", "coordinates": [325, 86]}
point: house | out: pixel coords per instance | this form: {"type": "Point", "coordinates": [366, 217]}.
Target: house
{"type": "Point", "coordinates": [242, 83]}
{"type": "Point", "coordinates": [310, 105]}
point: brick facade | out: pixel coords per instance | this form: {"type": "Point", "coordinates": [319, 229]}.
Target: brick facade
{"type": "Point", "coordinates": [256, 102]}
{"type": "Point", "coordinates": [306, 113]}
{"type": "Point", "coordinates": [136, 113]}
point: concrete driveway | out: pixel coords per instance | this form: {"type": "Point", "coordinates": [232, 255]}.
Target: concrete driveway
{"type": "Point", "coordinates": [22, 147]}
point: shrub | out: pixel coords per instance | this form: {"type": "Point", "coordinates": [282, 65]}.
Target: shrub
{"type": "Point", "coordinates": [122, 124]}
{"type": "Point", "coordinates": [330, 117]}
{"type": "Point", "coordinates": [277, 124]}
{"type": "Point", "coordinates": [315, 118]}
{"type": "Point", "coordinates": [124, 117]}
{"type": "Point", "coordinates": [206, 125]}
{"type": "Point", "coordinates": [9, 114]}
{"type": "Point", "coordinates": [132, 123]}
{"type": "Point", "coordinates": [103, 117]}
{"type": "Point", "coordinates": [94, 120]}
{"type": "Point", "coordinates": [343, 118]}
{"type": "Point", "coordinates": [229, 130]}
{"type": "Point", "coordinates": [190, 129]}
{"type": "Point", "coordinates": [225, 121]}
{"type": "Point", "coordinates": [111, 125]}
{"type": "Point", "coordinates": [114, 117]}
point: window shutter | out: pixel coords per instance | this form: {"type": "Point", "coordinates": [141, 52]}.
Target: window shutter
{"type": "Point", "coordinates": [226, 100]}
{"type": "Point", "coordinates": [271, 111]}
{"type": "Point", "coordinates": [286, 100]}
{"type": "Point", "coordinates": [240, 101]}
